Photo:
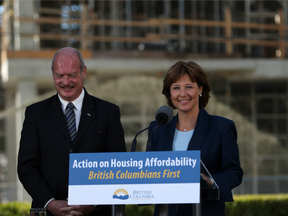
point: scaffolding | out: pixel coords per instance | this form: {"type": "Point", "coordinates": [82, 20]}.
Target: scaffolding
{"type": "Point", "coordinates": [210, 28]}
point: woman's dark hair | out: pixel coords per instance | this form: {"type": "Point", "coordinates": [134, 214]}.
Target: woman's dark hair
{"type": "Point", "coordinates": [196, 74]}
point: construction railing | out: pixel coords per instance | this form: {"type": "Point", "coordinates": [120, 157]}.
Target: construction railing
{"type": "Point", "coordinates": [88, 22]}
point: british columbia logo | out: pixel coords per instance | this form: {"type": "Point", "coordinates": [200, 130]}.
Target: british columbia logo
{"type": "Point", "coordinates": [121, 194]}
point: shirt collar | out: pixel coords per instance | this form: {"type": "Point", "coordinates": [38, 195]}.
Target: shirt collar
{"type": "Point", "coordinates": [77, 102]}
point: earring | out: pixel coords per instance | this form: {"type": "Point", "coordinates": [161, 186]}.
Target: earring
{"type": "Point", "coordinates": [200, 95]}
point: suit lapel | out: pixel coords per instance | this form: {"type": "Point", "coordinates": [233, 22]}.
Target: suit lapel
{"type": "Point", "coordinates": [200, 130]}
{"type": "Point", "coordinates": [58, 117]}
{"type": "Point", "coordinates": [87, 115]}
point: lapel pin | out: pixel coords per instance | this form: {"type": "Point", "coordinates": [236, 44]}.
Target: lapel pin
{"type": "Point", "coordinates": [88, 114]}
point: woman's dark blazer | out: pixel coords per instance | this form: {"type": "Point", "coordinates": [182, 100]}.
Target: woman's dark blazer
{"type": "Point", "coordinates": [216, 137]}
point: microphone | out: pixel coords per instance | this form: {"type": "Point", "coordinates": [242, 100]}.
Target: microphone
{"type": "Point", "coordinates": [163, 116]}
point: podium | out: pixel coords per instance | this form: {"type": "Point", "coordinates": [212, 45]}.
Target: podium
{"type": "Point", "coordinates": [141, 178]}
{"type": "Point", "coordinates": [118, 210]}
{"type": "Point", "coordinates": [206, 193]}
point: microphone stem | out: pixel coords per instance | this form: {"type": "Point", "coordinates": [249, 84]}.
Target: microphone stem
{"type": "Point", "coordinates": [133, 147]}
{"type": "Point", "coordinates": [148, 141]}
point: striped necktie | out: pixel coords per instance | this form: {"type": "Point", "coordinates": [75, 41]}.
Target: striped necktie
{"type": "Point", "coordinates": [70, 119]}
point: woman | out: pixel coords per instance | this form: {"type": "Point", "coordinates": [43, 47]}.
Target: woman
{"type": "Point", "coordinates": [187, 90]}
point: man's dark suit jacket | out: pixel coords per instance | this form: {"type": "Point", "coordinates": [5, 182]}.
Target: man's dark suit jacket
{"type": "Point", "coordinates": [216, 138]}
{"type": "Point", "coordinates": [45, 145]}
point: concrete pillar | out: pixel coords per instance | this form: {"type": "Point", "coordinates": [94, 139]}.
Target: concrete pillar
{"type": "Point", "coordinates": [128, 14]}
{"type": "Point", "coordinates": [114, 14]}
{"type": "Point", "coordinates": [182, 27]}
{"type": "Point", "coordinates": [102, 27]}
{"type": "Point", "coordinates": [203, 28]}
{"type": "Point", "coordinates": [23, 92]}
{"type": "Point", "coordinates": [247, 30]}
{"type": "Point", "coordinates": [24, 9]}
{"type": "Point", "coordinates": [10, 147]}
{"type": "Point", "coordinates": [217, 29]}
{"type": "Point", "coordinates": [167, 15]}
{"type": "Point", "coordinates": [194, 28]}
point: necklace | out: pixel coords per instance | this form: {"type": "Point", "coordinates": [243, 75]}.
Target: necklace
{"type": "Point", "coordinates": [185, 128]}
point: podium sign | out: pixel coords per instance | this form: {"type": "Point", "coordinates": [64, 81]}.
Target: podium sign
{"type": "Point", "coordinates": [134, 178]}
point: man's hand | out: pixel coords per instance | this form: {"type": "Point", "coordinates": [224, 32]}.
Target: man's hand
{"type": "Point", "coordinates": [61, 208]}
{"type": "Point", "coordinates": [54, 207]}
{"type": "Point", "coordinates": [78, 210]}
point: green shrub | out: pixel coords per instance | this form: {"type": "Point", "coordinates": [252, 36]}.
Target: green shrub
{"type": "Point", "coordinates": [243, 205]}
{"type": "Point", "coordinates": [258, 205]}
{"type": "Point", "coordinates": [142, 210]}
{"type": "Point", "coordinates": [15, 209]}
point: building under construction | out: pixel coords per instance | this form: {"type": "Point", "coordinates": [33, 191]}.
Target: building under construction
{"type": "Point", "coordinates": [129, 45]}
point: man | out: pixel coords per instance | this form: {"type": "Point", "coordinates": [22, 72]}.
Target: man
{"type": "Point", "coordinates": [47, 139]}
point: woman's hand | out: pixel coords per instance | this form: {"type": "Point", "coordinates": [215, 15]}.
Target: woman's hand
{"type": "Point", "coordinates": [208, 180]}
